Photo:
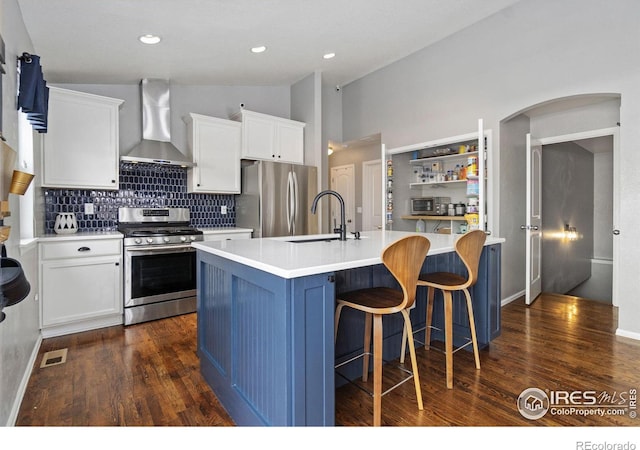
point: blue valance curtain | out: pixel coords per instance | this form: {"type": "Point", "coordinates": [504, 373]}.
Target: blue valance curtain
{"type": "Point", "coordinates": [33, 93]}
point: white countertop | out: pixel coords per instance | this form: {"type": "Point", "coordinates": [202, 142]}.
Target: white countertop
{"type": "Point", "coordinates": [51, 237]}
{"type": "Point", "coordinates": [291, 260]}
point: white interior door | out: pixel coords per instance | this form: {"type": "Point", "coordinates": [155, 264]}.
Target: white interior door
{"type": "Point", "coordinates": [343, 182]}
{"type": "Point", "coordinates": [371, 188]}
{"type": "Point", "coordinates": [533, 226]}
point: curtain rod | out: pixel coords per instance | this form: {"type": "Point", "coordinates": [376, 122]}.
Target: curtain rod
{"type": "Point", "coordinates": [26, 57]}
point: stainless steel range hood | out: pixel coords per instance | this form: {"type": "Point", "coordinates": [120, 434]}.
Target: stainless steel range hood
{"type": "Point", "coordinates": [156, 146]}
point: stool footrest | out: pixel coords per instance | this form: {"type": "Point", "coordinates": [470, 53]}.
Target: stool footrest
{"type": "Point", "coordinates": [385, 362]}
{"type": "Point", "coordinates": [431, 347]}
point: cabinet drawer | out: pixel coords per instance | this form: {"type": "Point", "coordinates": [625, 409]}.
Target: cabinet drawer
{"type": "Point", "coordinates": [80, 249]}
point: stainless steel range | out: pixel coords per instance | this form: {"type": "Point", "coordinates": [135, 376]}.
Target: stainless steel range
{"type": "Point", "coordinates": [159, 263]}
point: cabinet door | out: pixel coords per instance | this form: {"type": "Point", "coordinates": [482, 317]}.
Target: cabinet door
{"type": "Point", "coordinates": [290, 142]}
{"type": "Point", "coordinates": [258, 138]}
{"type": "Point", "coordinates": [216, 147]}
{"type": "Point", "coordinates": [79, 289]}
{"type": "Point", "coordinates": [81, 145]}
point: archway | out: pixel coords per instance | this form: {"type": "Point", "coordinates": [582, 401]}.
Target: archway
{"type": "Point", "coordinates": [584, 121]}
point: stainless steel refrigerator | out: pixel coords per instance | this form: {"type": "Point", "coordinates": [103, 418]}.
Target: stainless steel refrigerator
{"type": "Point", "coordinates": [276, 199]}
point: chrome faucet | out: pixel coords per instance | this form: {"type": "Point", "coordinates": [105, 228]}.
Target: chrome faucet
{"type": "Point", "coordinates": [343, 227]}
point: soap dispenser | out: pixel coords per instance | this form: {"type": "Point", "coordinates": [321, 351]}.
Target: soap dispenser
{"type": "Point", "coordinates": [420, 226]}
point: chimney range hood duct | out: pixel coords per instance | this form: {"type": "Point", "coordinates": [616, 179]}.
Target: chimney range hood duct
{"type": "Point", "coordinates": [155, 146]}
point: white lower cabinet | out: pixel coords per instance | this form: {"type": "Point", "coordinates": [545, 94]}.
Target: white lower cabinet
{"type": "Point", "coordinates": [80, 285]}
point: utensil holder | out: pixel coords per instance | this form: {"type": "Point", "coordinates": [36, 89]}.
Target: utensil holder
{"type": "Point", "coordinates": [66, 223]}
{"type": "Point", "coordinates": [20, 182]}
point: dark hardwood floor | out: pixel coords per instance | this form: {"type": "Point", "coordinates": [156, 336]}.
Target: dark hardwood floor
{"type": "Point", "coordinates": [148, 374]}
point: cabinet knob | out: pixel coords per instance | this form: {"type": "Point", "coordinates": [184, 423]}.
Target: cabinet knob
{"type": "Point", "coordinates": [273, 156]}
{"type": "Point", "coordinates": [113, 181]}
{"type": "Point", "coordinates": [117, 264]}
{"type": "Point", "coordinates": [84, 249]}
{"type": "Point", "coordinates": [198, 185]}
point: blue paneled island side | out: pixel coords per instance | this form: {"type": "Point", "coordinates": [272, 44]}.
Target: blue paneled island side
{"type": "Point", "coordinates": [265, 318]}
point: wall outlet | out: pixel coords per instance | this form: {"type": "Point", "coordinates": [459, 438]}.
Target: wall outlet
{"type": "Point", "coordinates": [88, 208]}
{"type": "Point", "coordinates": [223, 209]}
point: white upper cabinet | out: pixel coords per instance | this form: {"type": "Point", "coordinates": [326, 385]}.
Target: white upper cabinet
{"type": "Point", "coordinates": [271, 138]}
{"type": "Point", "coordinates": [215, 148]}
{"type": "Point", "coordinates": [80, 148]}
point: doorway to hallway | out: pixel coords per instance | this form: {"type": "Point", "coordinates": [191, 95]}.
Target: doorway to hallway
{"type": "Point", "coordinates": [578, 210]}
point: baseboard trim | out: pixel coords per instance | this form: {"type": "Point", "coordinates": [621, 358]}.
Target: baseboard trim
{"type": "Point", "coordinates": [82, 325]}
{"type": "Point", "coordinates": [628, 334]}
{"type": "Point", "coordinates": [22, 388]}
{"type": "Point", "coordinates": [516, 296]}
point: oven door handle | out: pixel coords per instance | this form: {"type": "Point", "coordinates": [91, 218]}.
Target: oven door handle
{"type": "Point", "coordinates": [160, 247]}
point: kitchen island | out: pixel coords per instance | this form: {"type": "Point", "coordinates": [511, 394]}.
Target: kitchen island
{"type": "Point", "coordinates": [265, 317]}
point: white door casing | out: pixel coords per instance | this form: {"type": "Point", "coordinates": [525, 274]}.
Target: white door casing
{"type": "Point", "coordinates": [371, 188]}
{"type": "Point", "coordinates": [533, 225]}
{"type": "Point", "coordinates": [343, 182]}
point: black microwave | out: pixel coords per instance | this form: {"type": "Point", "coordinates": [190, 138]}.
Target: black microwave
{"type": "Point", "coordinates": [430, 206]}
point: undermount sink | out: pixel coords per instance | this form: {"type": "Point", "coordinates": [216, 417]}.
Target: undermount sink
{"type": "Point", "coordinates": [321, 238]}
{"type": "Point", "coordinates": [326, 239]}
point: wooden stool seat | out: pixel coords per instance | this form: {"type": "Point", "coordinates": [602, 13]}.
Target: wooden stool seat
{"type": "Point", "coordinates": [469, 248]}
{"type": "Point", "coordinates": [404, 259]}
{"type": "Point", "coordinates": [372, 299]}
{"type": "Point", "coordinates": [441, 280]}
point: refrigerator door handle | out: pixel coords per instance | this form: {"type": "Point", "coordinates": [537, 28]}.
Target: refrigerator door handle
{"type": "Point", "coordinates": [289, 201]}
{"type": "Point", "coordinates": [296, 201]}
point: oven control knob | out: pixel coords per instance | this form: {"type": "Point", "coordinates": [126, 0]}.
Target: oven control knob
{"type": "Point", "coordinates": [137, 241]}
{"type": "Point", "coordinates": [166, 240]}
{"type": "Point", "coordinates": [183, 238]}
{"type": "Point", "coordinates": [150, 240]}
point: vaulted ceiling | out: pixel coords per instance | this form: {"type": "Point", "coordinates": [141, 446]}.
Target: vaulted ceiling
{"type": "Point", "coordinates": [209, 41]}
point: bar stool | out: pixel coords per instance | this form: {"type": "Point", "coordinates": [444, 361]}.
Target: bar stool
{"type": "Point", "coordinates": [404, 259]}
{"type": "Point", "coordinates": [469, 248]}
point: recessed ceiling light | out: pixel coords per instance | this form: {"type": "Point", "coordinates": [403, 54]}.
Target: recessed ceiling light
{"type": "Point", "coordinates": [329, 55]}
{"type": "Point", "coordinates": [258, 49]}
{"type": "Point", "coordinates": [149, 39]}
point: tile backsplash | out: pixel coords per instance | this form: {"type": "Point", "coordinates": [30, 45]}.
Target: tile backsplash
{"type": "Point", "coordinates": [143, 186]}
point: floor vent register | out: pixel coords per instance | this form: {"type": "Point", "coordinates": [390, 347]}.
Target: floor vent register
{"type": "Point", "coordinates": [54, 358]}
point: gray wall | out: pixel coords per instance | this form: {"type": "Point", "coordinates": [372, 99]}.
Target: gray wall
{"type": "Point", "coordinates": [304, 103]}
{"type": "Point", "coordinates": [567, 198]}
{"type": "Point", "coordinates": [499, 67]}
{"type": "Point", "coordinates": [512, 204]}
{"type": "Point", "coordinates": [331, 132]}
{"type": "Point", "coordinates": [603, 205]}
{"type": "Point", "coordinates": [20, 331]}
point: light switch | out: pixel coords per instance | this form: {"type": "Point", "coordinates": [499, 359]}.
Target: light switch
{"type": "Point", "coordinates": [88, 208]}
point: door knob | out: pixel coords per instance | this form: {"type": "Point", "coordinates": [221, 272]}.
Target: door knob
{"type": "Point", "coordinates": [523, 227]}
{"type": "Point", "coordinates": [534, 228]}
